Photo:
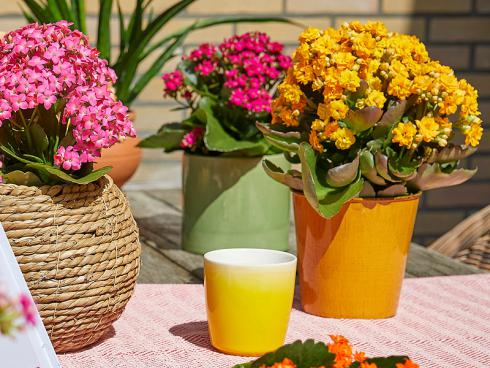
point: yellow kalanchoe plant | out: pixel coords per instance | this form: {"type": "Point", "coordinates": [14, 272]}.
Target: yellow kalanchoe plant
{"type": "Point", "coordinates": [368, 113]}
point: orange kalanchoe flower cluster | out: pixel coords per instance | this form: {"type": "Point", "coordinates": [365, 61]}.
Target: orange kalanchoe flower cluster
{"type": "Point", "coordinates": [344, 357]}
{"type": "Point", "coordinates": [364, 65]}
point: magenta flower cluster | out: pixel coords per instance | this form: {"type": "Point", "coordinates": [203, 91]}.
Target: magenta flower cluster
{"type": "Point", "coordinates": [53, 66]}
{"type": "Point", "coordinates": [246, 65]}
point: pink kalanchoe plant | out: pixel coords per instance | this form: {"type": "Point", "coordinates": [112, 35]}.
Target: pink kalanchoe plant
{"type": "Point", "coordinates": [227, 88]}
{"type": "Point", "coordinates": [15, 313]}
{"type": "Point", "coordinates": [57, 107]}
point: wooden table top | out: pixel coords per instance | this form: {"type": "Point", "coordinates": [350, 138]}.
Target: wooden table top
{"type": "Point", "coordinates": [159, 216]}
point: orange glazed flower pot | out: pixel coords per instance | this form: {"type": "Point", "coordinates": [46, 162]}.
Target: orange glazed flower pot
{"type": "Point", "coordinates": [124, 158]}
{"type": "Point", "coordinates": [352, 265]}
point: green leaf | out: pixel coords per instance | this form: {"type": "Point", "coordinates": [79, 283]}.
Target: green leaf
{"type": "Point", "coordinates": [368, 170]}
{"type": "Point", "coordinates": [381, 164]}
{"type": "Point", "coordinates": [154, 69]}
{"type": "Point", "coordinates": [22, 178]}
{"type": "Point", "coordinates": [290, 179]}
{"type": "Point", "coordinates": [168, 137]}
{"type": "Point", "coordinates": [63, 8]}
{"type": "Point", "coordinates": [363, 119]}
{"type": "Point", "coordinates": [383, 362]}
{"type": "Point", "coordinates": [325, 199]}
{"type": "Point", "coordinates": [394, 190]}
{"type": "Point", "coordinates": [37, 11]}
{"type": "Point", "coordinates": [451, 153]}
{"type": "Point", "coordinates": [216, 138]}
{"type": "Point", "coordinates": [432, 177]}
{"type": "Point", "coordinates": [39, 138]}
{"type": "Point", "coordinates": [306, 354]}
{"type": "Point", "coordinates": [52, 6]}
{"type": "Point", "coordinates": [78, 9]}
{"type": "Point", "coordinates": [123, 34]}
{"type": "Point", "coordinates": [392, 115]}
{"type": "Point", "coordinates": [63, 176]}
{"type": "Point", "coordinates": [104, 29]}
{"type": "Point", "coordinates": [206, 23]}
{"type": "Point", "coordinates": [342, 175]}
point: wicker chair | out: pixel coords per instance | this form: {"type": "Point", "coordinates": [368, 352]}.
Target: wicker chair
{"type": "Point", "coordinates": [469, 241]}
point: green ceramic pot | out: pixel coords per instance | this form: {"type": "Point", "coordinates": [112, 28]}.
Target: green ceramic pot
{"type": "Point", "coordinates": [230, 202]}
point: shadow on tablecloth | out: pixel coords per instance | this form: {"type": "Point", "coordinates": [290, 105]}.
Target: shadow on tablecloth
{"type": "Point", "coordinates": [196, 333]}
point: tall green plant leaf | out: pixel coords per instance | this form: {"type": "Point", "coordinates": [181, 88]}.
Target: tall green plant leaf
{"type": "Point", "coordinates": [53, 7]}
{"type": "Point", "coordinates": [38, 12]}
{"type": "Point", "coordinates": [206, 23]}
{"type": "Point", "coordinates": [78, 9]}
{"type": "Point", "coordinates": [104, 29]}
{"type": "Point", "coordinates": [130, 61]}
{"type": "Point", "coordinates": [167, 54]}
{"type": "Point", "coordinates": [63, 9]}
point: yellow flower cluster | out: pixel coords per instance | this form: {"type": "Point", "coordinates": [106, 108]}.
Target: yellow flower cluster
{"type": "Point", "coordinates": [364, 65]}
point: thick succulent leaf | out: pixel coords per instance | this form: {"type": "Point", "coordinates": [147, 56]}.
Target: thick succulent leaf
{"type": "Point", "coordinates": [430, 176]}
{"type": "Point", "coordinates": [342, 175]}
{"type": "Point", "coordinates": [305, 354]}
{"type": "Point", "coordinates": [168, 137]}
{"type": "Point", "coordinates": [285, 141]}
{"type": "Point", "coordinates": [276, 173]}
{"type": "Point", "coordinates": [451, 153]}
{"type": "Point", "coordinates": [63, 176]}
{"type": "Point", "coordinates": [267, 130]}
{"type": "Point", "coordinates": [367, 191]}
{"type": "Point", "coordinates": [381, 164]}
{"type": "Point", "coordinates": [392, 115]}
{"type": "Point", "coordinates": [22, 178]}
{"type": "Point", "coordinates": [368, 170]}
{"type": "Point", "coordinates": [394, 190]}
{"type": "Point", "coordinates": [283, 144]}
{"type": "Point", "coordinates": [313, 190]}
{"type": "Point", "coordinates": [400, 166]}
{"type": "Point", "coordinates": [363, 119]}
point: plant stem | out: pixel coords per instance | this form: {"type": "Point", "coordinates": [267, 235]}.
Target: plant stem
{"type": "Point", "coordinates": [26, 131]}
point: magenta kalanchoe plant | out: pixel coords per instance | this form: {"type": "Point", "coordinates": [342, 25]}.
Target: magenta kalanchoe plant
{"type": "Point", "coordinates": [15, 313]}
{"type": "Point", "coordinates": [227, 89]}
{"type": "Point", "coordinates": [57, 107]}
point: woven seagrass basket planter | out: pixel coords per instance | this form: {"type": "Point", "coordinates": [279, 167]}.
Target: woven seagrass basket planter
{"type": "Point", "coordinates": [78, 248]}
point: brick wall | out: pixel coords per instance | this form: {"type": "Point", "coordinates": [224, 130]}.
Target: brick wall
{"type": "Point", "coordinates": [457, 32]}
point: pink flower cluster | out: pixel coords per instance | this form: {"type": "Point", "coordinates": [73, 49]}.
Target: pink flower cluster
{"type": "Point", "coordinates": [192, 138]}
{"type": "Point", "coordinates": [53, 66]}
{"type": "Point", "coordinates": [247, 65]}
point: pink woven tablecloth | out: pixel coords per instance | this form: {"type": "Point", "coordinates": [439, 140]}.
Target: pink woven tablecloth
{"type": "Point", "coordinates": [442, 322]}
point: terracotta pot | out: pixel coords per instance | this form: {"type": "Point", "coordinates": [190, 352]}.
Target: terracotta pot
{"type": "Point", "coordinates": [124, 158]}
{"type": "Point", "coordinates": [352, 265]}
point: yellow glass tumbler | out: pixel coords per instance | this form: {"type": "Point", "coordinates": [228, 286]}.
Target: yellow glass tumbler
{"type": "Point", "coordinates": [249, 295]}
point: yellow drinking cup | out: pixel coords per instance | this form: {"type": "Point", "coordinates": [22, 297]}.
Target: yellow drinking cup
{"type": "Point", "coordinates": [249, 295]}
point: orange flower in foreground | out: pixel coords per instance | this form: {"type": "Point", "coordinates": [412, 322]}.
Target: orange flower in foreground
{"type": "Point", "coordinates": [408, 364]}
{"type": "Point", "coordinates": [360, 356]}
{"type": "Point", "coordinates": [368, 365]}
{"type": "Point", "coordinates": [286, 363]}
{"type": "Point", "coordinates": [343, 351]}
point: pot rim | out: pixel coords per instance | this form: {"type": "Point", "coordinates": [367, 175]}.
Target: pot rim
{"type": "Point", "coordinates": [222, 257]}
{"type": "Point", "coordinates": [410, 197]}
